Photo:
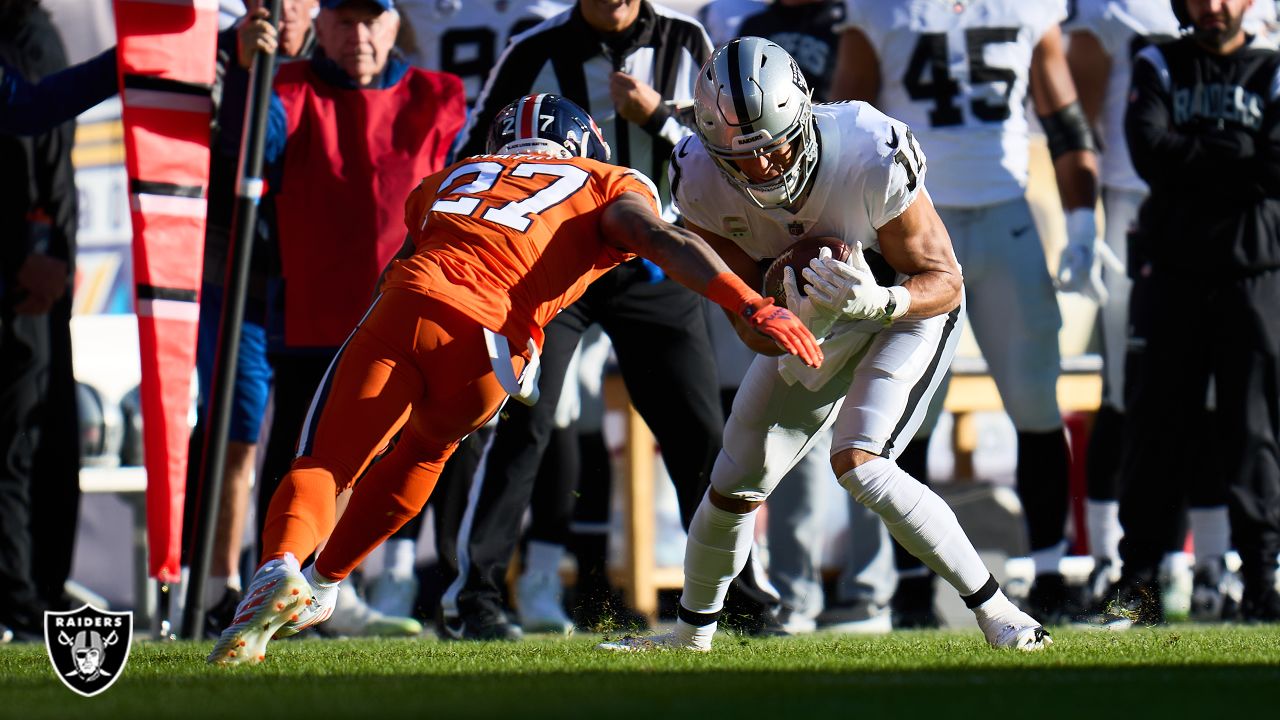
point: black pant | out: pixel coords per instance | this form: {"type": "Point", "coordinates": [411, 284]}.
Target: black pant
{"type": "Point", "coordinates": [1182, 334]}
{"type": "Point", "coordinates": [39, 460]}
{"type": "Point", "coordinates": [665, 356]}
{"type": "Point", "coordinates": [294, 382]}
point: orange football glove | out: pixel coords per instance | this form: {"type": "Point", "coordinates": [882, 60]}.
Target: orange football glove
{"type": "Point", "coordinates": [779, 324]}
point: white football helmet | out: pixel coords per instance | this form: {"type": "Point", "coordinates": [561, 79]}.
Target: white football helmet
{"type": "Point", "coordinates": [751, 102]}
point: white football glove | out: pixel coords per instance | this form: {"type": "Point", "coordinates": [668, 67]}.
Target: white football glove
{"type": "Point", "coordinates": [1079, 266]}
{"type": "Point", "coordinates": [850, 289]}
{"type": "Point", "coordinates": [818, 320]}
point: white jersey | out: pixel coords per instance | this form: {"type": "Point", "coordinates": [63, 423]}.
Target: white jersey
{"type": "Point", "coordinates": [957, 72]}
{"type": "Point", "coordinates": [1122, 27]}
{"type": "Point", "coordinates": [465, 37]}
{"type": "Point", "coordinates": [1260, 19]}
{"type": "Point", "coordinates": [722, 18]}
{"type": "Point", "coordinates": [870, 169]}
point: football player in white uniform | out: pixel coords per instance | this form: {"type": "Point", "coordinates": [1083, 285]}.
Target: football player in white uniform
{"type": "Point", "coordinates": [465, 37]}
{"type": "Point", "coordinates": [959, 72]}
{"type": "Point", "coordinates": [767, 167]}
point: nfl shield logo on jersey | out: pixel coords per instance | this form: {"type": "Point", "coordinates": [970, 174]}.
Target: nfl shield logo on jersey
{"type": "Point", "coordinates": [88, 647]}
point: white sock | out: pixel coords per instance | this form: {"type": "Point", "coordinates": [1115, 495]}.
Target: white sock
{"type": "Point", "coordinates": [1211, 533]}
{"type": "Point", "coordinates": [233, 582]}
{"type": "Point", "coordinates": [717, 550]}
{"type": "Point", "coordinates": [326, 590]}
{"type": "Point", "coordinates": [694, 635]}
{"type": "Point", "coordinates": [1049, 560]}
{"type": "Point", "coordinates": [1102, 519]}
{"type": "Point", "coordinates": [919, 520]}
{"type": "Point", "coordinates": [543, 558]}
{"type": "Point", "coordinates": [399, 558]}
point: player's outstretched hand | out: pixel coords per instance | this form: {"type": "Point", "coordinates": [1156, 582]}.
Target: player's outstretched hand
{"type": "Point", "coordinates": [779, 324]}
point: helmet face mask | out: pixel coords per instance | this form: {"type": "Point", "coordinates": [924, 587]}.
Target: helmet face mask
{"type": "Point", "coordinates": [546, 124]}
{"type": "Point", "coordinates": [753, 113]}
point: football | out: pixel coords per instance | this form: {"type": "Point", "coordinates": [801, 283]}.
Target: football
{"type": "Point", "coordinates": [797, 257]}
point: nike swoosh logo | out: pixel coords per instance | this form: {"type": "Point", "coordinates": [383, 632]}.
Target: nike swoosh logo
{"type": "Point", "coordinates": [1019, 232]}
{"type": "Point", "coordinates": [893, 139]}
{"type": "Point", "coordinates": [680, 151]}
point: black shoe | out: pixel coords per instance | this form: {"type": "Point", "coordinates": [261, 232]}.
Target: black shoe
{"type": "Point", "coordinates": [484, 625]}
{"type": "Point", "coordinates": [219, 617]}
{"type": "Point", "coordinates": [912, 604]}
{"type": "Point", "coordinates": [1103, 574]}
{"type": "Point", "coordinates": [746, 615]}
{"type": "Point", "coordinates": [22, 625]}
{"type": "Point", "coordinates": [601, 609]}
{"type": "Point", "coordinates": [1261, 607]}
{"type": "Point", "coordinates": [1127, 602]}
{"type": "Point", "coordinates": [1051, 600]}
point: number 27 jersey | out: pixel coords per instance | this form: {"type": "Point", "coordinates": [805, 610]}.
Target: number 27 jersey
{"type": "Point", "coordinates": [957, 72]}
{"type": "Point", "coordinates": [511, 240]}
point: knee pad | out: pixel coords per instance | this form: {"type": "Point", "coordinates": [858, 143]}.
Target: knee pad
{"type": "Point", "coordinates": [877, 485]}
{"type": "Point", "coordinates": [730, 480]}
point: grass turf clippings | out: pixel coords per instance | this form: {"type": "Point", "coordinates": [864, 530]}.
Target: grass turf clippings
{"type": "Point", "coordinates": [1170, 672]}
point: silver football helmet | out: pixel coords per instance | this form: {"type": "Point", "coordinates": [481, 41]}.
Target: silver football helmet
{"type": "Point", "coordinates": [755, 118]}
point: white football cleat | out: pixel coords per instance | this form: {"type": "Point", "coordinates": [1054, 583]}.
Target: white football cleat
{"type": "Point", "coordinates": [665, 641]}
{"type": "Point", "coordinates": [278, 596]}
{"type": "Point", "coordinates": [393, 595]}
{"type": "Point", "coordinates": [1005, 626]}
{"type": "Point", "coordinates": [541, 609]}
{"type": "Point", "coordinates": [354, 618]}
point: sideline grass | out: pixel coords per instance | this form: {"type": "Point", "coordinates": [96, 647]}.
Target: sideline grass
{"type": "Point", "coordinates": [1171, 672]}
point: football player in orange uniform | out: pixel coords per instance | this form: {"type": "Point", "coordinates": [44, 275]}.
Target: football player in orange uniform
{"type": "Point", "coordinates": [501, 242]}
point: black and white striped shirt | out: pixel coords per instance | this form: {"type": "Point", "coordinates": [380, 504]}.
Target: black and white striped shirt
{"type": "Point", "coordinates": [566, 56]}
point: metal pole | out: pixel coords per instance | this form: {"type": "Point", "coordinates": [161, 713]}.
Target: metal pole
{"type": "Point", "coordinates": [243, 221]}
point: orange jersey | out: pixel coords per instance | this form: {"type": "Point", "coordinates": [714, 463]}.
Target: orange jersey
{"type": "Point", "coordinates": [511, 240]}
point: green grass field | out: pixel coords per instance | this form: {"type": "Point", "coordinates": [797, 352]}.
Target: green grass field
{"type": "Point", "coordinates": [1175, 672]}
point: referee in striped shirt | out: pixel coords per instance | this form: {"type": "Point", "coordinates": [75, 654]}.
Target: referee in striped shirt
{"type": "Point", "coordinates": [628, 65]}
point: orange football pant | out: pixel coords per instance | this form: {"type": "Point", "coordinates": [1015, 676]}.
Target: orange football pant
{"type": "Point", "coordinates": [414, 363]}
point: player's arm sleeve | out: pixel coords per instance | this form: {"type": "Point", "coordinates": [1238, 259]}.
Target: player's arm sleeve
{"type": "Point", "coordinates": [511, 78]}
{"type": "Point", "coordinates": [1166, 156]}
{"type": "Point", "coordinates": [31, 109]}
{"type": "Point", "coordinates": [892, 184]}
{"type": "Point", "coordinates": [694, 49]}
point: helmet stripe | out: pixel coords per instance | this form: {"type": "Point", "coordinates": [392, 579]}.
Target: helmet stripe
{"type": "Point", "coordinates": [527, 126]}
{"type": "Point", "coordinates": [735, 86]}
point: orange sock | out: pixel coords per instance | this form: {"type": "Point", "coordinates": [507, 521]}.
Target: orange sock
{"type": "Point", "coordinates": [301, 514]}
{"type": "Point", "coordinates": [390, 494]}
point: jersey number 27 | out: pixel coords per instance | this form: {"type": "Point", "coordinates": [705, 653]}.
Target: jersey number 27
{"type": "Point", "coordinates": [516, 214]}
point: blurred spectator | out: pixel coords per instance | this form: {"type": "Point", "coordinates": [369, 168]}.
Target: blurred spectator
{"type": "Point", "coordinates": [970, 117]}
{"type": "Point", "coordinates": [722, 18]}
{"type": "Point", "coordinates": [1203, 127]}
{"type": "Point", "coordinates": [465, 38]}
{"type": "Point", "coordinates": [363, 128]}
{"type": "Point", "coordinates": [39, 436]}
{"type": "Point", "coordinates": [628, 64]}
